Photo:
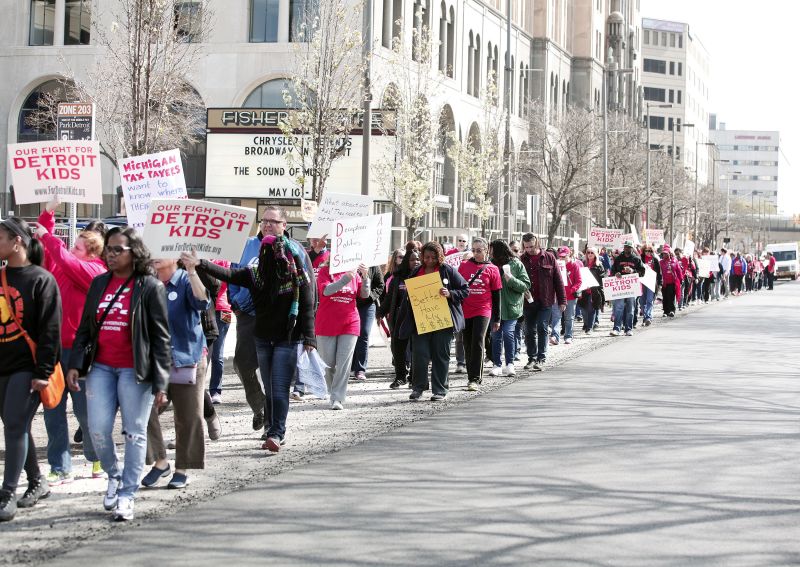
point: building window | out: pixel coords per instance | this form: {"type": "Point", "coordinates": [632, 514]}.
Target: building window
{"type": "Point", "coordinates": [299, 20]}
{"type": "Point", "coordinates": [188, 21]}
{"type": "Point", "coordinates": [470, 63]}
{"type": "Point", "coordinates": [654, 94]}
{"type": "Point", "coordinates": [671, 95]}
{"type": "Point", "coordinates": [672, 40]}
{"type": "Point", "coordinates": [680, 69]}
{"type": "Point", "coordinates": [451, 42]}
{"type": "Point", "coordinates": [647, 37]}
{"type": "Point", "coordinates": [77, 22]}
{"type": "Point", "coordinates": [443, 38]}
{"type": "Point", "coordinates": [269, 95]}
{"type": "Point", "coordinates": [656, 122]}
{"type": "Point", "coordinates": [43, 14]}
{"type": "Point", "coordinates": [264, 21]}
{"type": "Point", "coordinates": [671, 67]}
{"type": "Point", "coordinates": [663, 39]}
{"type": "Point", "coordinates": [655, 66]}
{"type": "Point", "coordinates": [680, 93]}
{"type": "Point", "coordinates": [680, 40]}
{"type": "Point", "coordinates": [420, 28]}
{"type": "Point", "coordinates": [476, 73]}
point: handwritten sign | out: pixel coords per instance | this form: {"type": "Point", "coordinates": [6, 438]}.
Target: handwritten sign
{"type": "Point", "coordinates": [688, 248]}
{"type": "Point", "coordinates": [148, 177]}
{"type": "Point", "coordinates": [335, 207]}
{"type": "Point", "coordinates": [622, 287]}
{"type": "Point", "coordinates": [654, 237]}
{"type": "Point", "coordinates": [215, 231]}
{"type": "Point", "coordinates": [68, 170]}
{"type": "Point", "coordinates": [431, 311]}
{"type": "Point", "coordinates": [611, 238]}
{"type": "Point", "coordinates": [364, 240]}
{"type": "Point", "coordinates": [713, 262]}
{"type": "Point", "coordinates": [587, 279]}
{"type": "Point", "coordinates": [703, 267]}
{"type": "Point", "coordinates": [649, 278]}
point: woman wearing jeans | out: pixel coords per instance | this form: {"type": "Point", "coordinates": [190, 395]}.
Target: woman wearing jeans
{"type": "Point", "coordinates": [33, 300]}
{"type": "Point", "coordinates": [187, 298]}
{"type": "Point", "coordinates": [284, 302]}
{"type": "Point", "coordinates": [125, 316]}
{"type": "Point", "coordinates": [74, 271]}
{"type": "Point", "coordinates": [592, 298]}
{"type": "Point", "coordinates": [223, 312]}
{"type": "Point", "coordinates": [512, 297]}
{"type": "Point", "coordinates": [481, 307]}
{"type": "Point", "coordinates": [338, 325]}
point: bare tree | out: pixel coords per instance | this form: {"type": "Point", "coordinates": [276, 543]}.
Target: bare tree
{"type": "Point", "coordinates": [406, 173]}
{"type": "Point", "coordinates": [326, 90]}
{"type": "Point", "coordinates": [565, 158]}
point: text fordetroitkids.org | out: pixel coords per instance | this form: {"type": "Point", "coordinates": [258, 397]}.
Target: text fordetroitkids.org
{"type": "Point", "coordinates": [187, 247]}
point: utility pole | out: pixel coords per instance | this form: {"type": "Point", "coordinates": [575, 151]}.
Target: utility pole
{"type": "Point", "coordinates": [366, 128]}
{"type": "Point", "coordinates": [672, 197]}
{"type": "Point", "coordinates": [512, 213]}
{"type": "Point", "coordinates": [605, 148]}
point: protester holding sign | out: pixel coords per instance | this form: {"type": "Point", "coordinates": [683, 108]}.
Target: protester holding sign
{"type": "Point", "coordinates": [30, 306]}
{"type": "Point", "coordinates": [571, 274]}
{"type": "Point", "coordinates": [481, 308]}
{"type": "Point", "coordinates": [433, 348]}
{"type": "Point", "coordinates": [592, 299]}
{"type": "Point", "coordinates": [512, 298]}
{"type": "Point", "coordinates": [187, 299]}
{"type": "Point", "coordinates": [74, 271]}
{"type": "Point", "coordinates": [671, 276]}
{"type": "Point", "coordinates": [648, 296]}
{"type": "Point", "coordinates": [338, 325]}
{"type": "Point", "coordinates": [284, 303]}
{"type": "Point", "coordinates": [124, 326]}
{"type": "Point", "coordinates": [625, 263]}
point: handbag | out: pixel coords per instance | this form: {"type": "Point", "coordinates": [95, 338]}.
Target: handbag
{"type": "Point", "coordinates": [184, 375]}
{"type": "Point", "coordinates": [52, 394]}
{"type": "Point", "coordinates": [90, 350]}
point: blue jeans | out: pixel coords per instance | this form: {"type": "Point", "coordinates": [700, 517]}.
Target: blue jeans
{"type": "Point", "coordinates": [569, 319]}
{"type": "Point", "coordinates": [537, 319]}
{"type": "Point", "coordinates": [277, 362]}
{"type": "Point", "coordinates": [623, 313]}
{"type": "Point", "coordinates": [503, 339]}
{"type": "Point", "coordinates": [518, 328]}
{"type": "Point", "coordinates": [646, 302]}
{"type": "Point", "coordinates": [367, 315]}
{"type": "Point", "coordinates": [55, 421]}
{"type": "Point", "coordinates": [107, 388]}
{"type": "Point", "coordinates": [218, 357]}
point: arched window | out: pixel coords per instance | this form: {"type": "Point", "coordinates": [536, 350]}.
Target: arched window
{"type": "Point", "coordinates": [397, 20]}
{"type": "Point", "coordinates": [470, 63]}
{"type": "Point", "coordinates": [476, 74]}
{"type": "Point", "coordinates": [451, 42]}
{"type": "Point", "coordinates": [522, 89]}
{"type": "Point", "coordinates": [512, 78]}
{"type": "Point", "coordinates": [30, 126]}
{"type": "Point", "coordinates": [269, 95]}
{"type": "Point", "coordinates": [443, 38]}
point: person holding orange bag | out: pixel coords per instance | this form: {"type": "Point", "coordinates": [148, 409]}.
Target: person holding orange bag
{"type": "Point", "coordinates": [33, 299]}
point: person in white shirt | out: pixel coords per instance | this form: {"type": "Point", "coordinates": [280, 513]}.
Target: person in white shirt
{"type": "Point", "coordinates": [725, 275]}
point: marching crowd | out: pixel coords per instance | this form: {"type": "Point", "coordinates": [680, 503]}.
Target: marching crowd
{"type": "Point", "coordinates": [135, 335]}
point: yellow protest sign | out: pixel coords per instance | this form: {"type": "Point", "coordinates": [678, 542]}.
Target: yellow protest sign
{"type": "Point", "coordinates": [431, 311]}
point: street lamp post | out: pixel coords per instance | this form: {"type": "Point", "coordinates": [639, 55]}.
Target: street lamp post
{"type": "Point", "coordinates": [728, 198]}
{"type": "Point", "coordinates": [366, 128]}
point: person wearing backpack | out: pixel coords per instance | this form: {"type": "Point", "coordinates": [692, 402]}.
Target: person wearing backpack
{"type": "Point", "coordinates": [738, 271]}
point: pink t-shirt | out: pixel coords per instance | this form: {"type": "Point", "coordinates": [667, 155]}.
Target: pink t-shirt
{"type": "Point", "coordinates": [337, 314]}
{"type": "Point", "coordinates": [479, 301]}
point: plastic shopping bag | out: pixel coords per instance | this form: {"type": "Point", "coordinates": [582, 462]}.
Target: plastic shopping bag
{"type": "Point", "coordinates": [311, 372]}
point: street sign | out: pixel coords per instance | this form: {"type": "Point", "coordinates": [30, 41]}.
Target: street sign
{"type": "Point", "coordinates": [75, 121]}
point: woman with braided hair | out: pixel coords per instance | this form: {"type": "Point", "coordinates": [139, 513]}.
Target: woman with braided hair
{"type": "Point", "coordinates": [284, 301]}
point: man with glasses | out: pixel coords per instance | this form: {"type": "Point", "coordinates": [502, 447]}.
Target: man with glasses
{"type": "Point", "coordinates": [461, 247]}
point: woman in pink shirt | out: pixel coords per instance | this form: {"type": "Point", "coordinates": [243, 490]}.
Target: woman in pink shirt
{"type": "Point", "coordinates": [337, 325]}
{"type": "Point", "coordinates": [223, 311]}
{"type": "Point", "coordinates": [74, 271]}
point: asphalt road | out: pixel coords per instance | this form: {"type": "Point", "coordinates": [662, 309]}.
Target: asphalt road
{"type": "Point", "coordinates": [678, 446]}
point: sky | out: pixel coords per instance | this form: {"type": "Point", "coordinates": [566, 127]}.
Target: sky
{"type": "Point", "coordinates": [754, 48]}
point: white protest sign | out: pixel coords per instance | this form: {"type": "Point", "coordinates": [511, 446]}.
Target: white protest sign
{"type": "Point", "coordinates": [215, 231]}
{"type": "Point", "coordinates": [611, 238]}
{"type": "Point", "coordinates": [688, 248]}
{"type": "Point", "coordinates": [587, 279]}
{"type": "Point", "coordinates": [562, 267]}
{"type": "Point", "coordinates": [654, 237]}
{"type": "Point", "coordinates": [634, 235]}
{"type": "Point", "coordinates": [336, 207]}
{"type": "Point", "coordinates": [148, 177]}
{"type": "Point", "coordinates": [622, 287]}
{"type": "Point", "coordinates": [649, 278]}
{"type": "Point", "coordinates": [713, 262]}
{"type": "Point", "coordinates": [454, 260]}
{"type": "Point", "coordinates": [364, 240]}
{"type": "Point", "coordinates": [68, 170]}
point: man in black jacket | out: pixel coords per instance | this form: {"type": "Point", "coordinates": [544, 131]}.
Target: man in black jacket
{"type": "Point", "coordinates": [624, 264]}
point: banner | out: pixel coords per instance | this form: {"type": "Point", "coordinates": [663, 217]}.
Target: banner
{"type": "Point", "coordinates": [622, 287]}
{"type": "Point", "coordinates": [649, 278]}
{"type": "Point", "coordinates": [610, 238]}
{"type": "Point", "coordinates": [587, 279]}
{"type": "Point", "coordinates": [364, 240]}
{"type": "Point", "coordinates": [335, 207]}
{"type": "Point", "coordinates": [215, 231]}
{"type": "Point", "coordinates": [654, 237]}
{"type": "Point", "coordinates": [66, 169]}
{"type": "Point", "coordinates": [431, 311]}
{"type": "Point", "coordinates": [148, 177]}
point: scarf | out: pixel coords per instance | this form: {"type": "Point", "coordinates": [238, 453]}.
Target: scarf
{"type": "Point", "coordinates": [280, 270]}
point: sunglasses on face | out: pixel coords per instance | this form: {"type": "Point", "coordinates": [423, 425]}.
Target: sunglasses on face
{"type": "Point", "coordinates": [115, 250]}
{"type": "Point", "coordinates": [273, 222]}
{"type": "Point", "coordinates": [461, 240]}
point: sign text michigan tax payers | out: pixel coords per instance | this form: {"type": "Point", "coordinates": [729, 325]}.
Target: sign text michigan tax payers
{"type": "Point", "coordinates": [246, 157]}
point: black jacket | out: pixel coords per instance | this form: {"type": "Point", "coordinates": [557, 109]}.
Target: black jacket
{"type": "Point", "coordinates": [376, 288]}
{"type": "Point", "coordinates": [459, 290]}
{"type": "Point", "coordinates": [152, 351]}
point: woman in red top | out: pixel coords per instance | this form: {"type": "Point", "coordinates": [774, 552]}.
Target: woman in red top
{"type": "Point", "coordinates": [338, 325]}
{"type": "Point", "coordinates": [223, 311]}
{"type": "Point", "coordinates": [74, 271]}
{"type": "Point", "coordinates": [671, 276]}
{"type": "Point", "coordinates": [481, 307]}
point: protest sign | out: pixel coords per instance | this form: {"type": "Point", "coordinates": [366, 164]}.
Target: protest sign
{"type": "Point", "coordinates": [688, 248]}
{"type": "Point", "coordinates": [587, 279]}
{"type": "Point", "coordinates": [703, 267]}
{"type": "Point", "coordinates": [622, 287]}
{"type": "Point", "coordinates": [63, 169]}
{"type": "Point", "coordinates": [308, 209]}
{"type": "Point", "coordinates": [633, 235]}
{"type": "Point", "coordinates": [713, 262]}
{"type": "Point", "coordinates": [336, 207]}
{"type": "Point", "coordinates": [215, 231]}
{"type": "Point", "coordinates": [649, 278]}
{"type": "Point", "coordinates": [654, 237]}
{"type": "Point", "coordinates": [364, 240]}
{"type": "Point", "coordinates": [148, 177]}
{"type": "Point", "coordinates": [611, 238]}
{"type": "Point", "coordinates": [431, 311]}
{"type": "Point", "coordinates": [454, 260]}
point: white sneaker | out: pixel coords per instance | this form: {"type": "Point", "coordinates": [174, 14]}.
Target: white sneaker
{"type": "Point", "coordinates": [124, 510]}
{"type": "Point", "coordinates": [567, 341]}
{"type": "Point", "coordinates": [509, 370]}
{"type": "Point", "coordinates": [110, 499]}
{"type": "Point", "coordinates": [336, 405]}
{"type": "Point", "coordinates": [461, 369]}
{"type": "Point", "coordinates": [496, 371]}
{"type": "Point", "coordinates": [628, 333]}
{"type": "Point", "coordinates": [614, 333]}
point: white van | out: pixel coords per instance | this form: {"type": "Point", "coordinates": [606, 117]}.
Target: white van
{"type": "Point", "coordinates": [786, 263]}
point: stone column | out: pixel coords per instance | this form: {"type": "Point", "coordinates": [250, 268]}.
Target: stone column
{"type": "Point", "coordinates": [58, 22]}
{"type": "Point", "coordinates": [283, 21]}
